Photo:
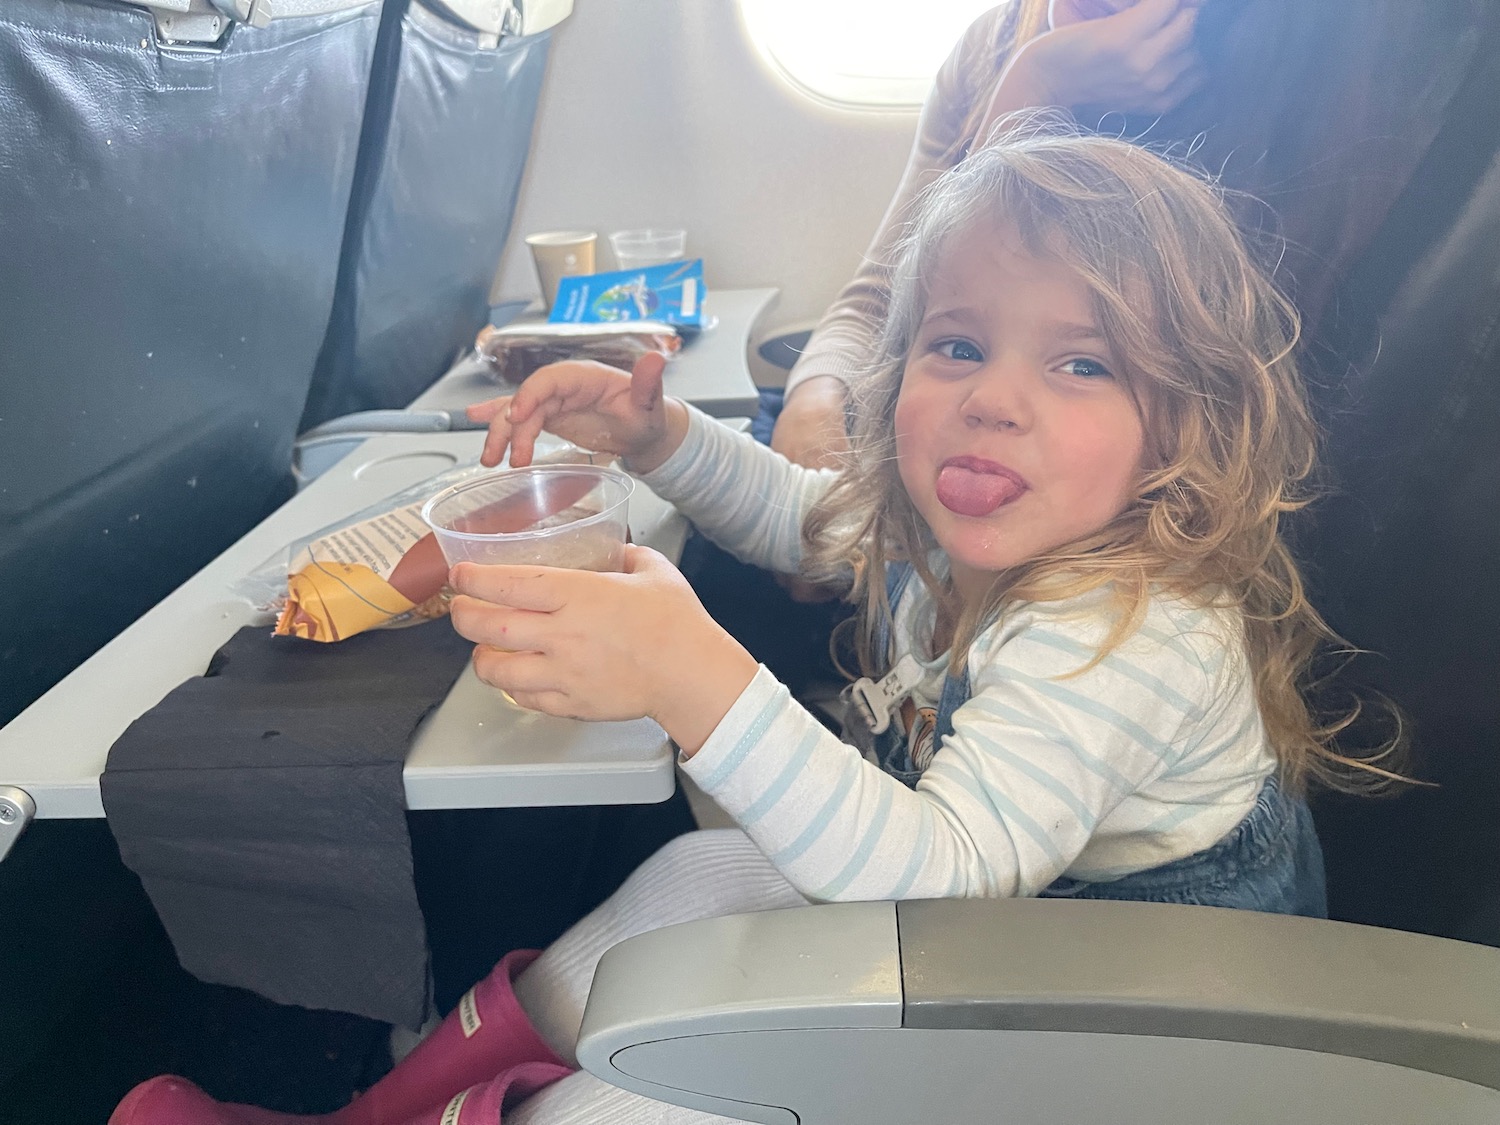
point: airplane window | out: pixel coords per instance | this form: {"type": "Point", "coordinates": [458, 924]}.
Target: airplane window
{"type": "Point", "coordinates": [875, 53]}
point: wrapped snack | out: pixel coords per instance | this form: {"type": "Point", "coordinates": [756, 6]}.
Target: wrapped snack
{"type": "Point", "coordinates": [385, 570]}
{"type": "Point", "coordinates": [515, 351]}
{"type": "Point", "coordinates": [380, 568]}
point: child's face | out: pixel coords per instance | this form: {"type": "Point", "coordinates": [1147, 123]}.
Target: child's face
{"type": "Point", "coordinates": [1013, 435]}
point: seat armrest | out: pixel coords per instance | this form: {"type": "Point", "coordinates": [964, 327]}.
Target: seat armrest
{"type": "Point", "coordinates": [823, 967]}
{"type": "Point", "coordinates": [1135, 968]}
{"type": "Point", "coordinates": [1067, 1011]}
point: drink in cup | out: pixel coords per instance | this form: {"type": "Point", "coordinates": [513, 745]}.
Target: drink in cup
{"type": "Point", "coordinates": [571, 516]}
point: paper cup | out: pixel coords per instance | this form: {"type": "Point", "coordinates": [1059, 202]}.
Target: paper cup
{"type": "Point", "coordinates": [559, 254]}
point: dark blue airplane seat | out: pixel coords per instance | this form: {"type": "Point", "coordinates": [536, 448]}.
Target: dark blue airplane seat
{"type": "Point", "coordinates": [194, 207]}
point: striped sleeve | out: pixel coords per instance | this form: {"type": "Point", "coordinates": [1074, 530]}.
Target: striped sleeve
{"type": "Point", "coordinates": [746, 498]}
{"type": "Point", "coordinates": [1040, 754]}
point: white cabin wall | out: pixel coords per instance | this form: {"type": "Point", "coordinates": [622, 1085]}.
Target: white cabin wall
{"type": "Point", "coordinates": [663, 113]}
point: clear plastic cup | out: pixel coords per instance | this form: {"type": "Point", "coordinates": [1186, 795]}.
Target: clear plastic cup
{"type": "Point", "coordinates": [570, 516]}
{"type": "Point", "coordinates": [637, 249]}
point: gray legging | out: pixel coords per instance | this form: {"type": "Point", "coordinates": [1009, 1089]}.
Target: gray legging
{"type": "Point", "coordinates": [701, 875]}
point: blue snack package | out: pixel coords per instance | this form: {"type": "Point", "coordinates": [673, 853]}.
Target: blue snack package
{"type": "Point", "coordinates": [671, 292]}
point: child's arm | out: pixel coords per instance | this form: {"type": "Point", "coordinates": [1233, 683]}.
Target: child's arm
{"type": "Point", "coordinates": [1037, 760]}
{"type": "Point", "coordinates": [746, 498]}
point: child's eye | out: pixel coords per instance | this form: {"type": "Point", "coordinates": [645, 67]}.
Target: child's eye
{"type": "Point", "coordinates": [962, 350]}
{"type": "Point", "coordinates": [1086, 368]}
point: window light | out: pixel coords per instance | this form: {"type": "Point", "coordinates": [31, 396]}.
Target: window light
{"type": "Point", "coordinates": [873, 53]}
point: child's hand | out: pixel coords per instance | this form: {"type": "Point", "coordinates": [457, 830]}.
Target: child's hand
{"type": "Point", "coordinates": [586, 645]}
{"type": "Point", "coordinates": [591, 405]}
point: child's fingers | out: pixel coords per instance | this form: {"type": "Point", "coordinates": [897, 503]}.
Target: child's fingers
{"type": "Point", "coordinates": [542, 589]}
{"type": "Point", "coordinates": [643, 560]}
{"type": "Point", "coordinates": [560, 381]}
{"type": "Point", "coordinates": [645, 381]}
{"type": "Point", "coordinates": [495, 413]}
{"type": "Point", "coordinates": [498, 438]}
{"type": "Point", "coordinates": [488, 410]}
{"type": "Point", "coordinates": [523, 437]}
{"type": "Point", "coordinates": [552, 391]}
{"type": "Point", "coordinates": [520, 673]}
{"type": "Point", "coordinates": [547, 702]}
{"type": "Point", "coordinates": [499, 626]}
{"type": "Point", "coordinates": [539, 386]}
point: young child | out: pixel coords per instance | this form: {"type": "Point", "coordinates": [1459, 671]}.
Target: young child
{"type": "Point", "coordinates": [1082, 635]}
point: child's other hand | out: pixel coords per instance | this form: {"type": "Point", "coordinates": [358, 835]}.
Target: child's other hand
{"type": "Point", "coordinates": [585, 645]}
{"type": "Point", "coordinates": [591, 405]}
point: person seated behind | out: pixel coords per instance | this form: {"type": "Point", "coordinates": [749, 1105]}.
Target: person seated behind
{"type": "Point", "coordinates": [1322, 116]}
{"type": "Point", "coordinates": [1060, 523]}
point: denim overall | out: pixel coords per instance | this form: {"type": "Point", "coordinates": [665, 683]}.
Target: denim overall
{"type": "Point", "coordinates": [1270, 862]}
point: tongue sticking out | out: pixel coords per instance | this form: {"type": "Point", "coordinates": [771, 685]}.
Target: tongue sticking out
{"type": "Point", "coordinates": [970, 493]}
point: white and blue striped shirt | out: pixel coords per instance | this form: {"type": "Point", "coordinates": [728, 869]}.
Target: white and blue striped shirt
{"type": "Point", "coordinates": [1152, 754]}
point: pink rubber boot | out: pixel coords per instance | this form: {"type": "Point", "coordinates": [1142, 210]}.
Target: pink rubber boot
{"type": "Point", "coordinates": [169, 1100]}
{"type": "Point", "coordinates": [485, 1104]}
{"type": "Point", "coordinates": [487, 1034]}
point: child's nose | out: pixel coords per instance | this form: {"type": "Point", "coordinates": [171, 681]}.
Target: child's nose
{"type": "Point", "coordinates": [997, 399]}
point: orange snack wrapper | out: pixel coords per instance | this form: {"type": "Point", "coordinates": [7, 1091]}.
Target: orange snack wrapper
{"type": "Point", "coordinates": [386, 570]}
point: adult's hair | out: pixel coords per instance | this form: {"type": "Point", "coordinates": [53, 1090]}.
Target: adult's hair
{"type": "Point", "coordinates": [1204, 343]}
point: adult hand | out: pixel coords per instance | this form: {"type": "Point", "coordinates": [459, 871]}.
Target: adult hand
{"type": "Point", "coordinates": [1134, 59]}
{"type": "Point", "coordinates": [585, 645]}
{"type": "Point", "coordinates": [591, 405]}
{"type": "Point", "coordinates": [810, 430]}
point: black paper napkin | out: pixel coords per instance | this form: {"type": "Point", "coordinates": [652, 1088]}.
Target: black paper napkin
{"type": "Point", "coordinates": [262, 807]}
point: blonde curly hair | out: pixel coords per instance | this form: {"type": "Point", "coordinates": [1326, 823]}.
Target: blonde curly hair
{"type": "Point", "coordinates": [1205, 343]}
